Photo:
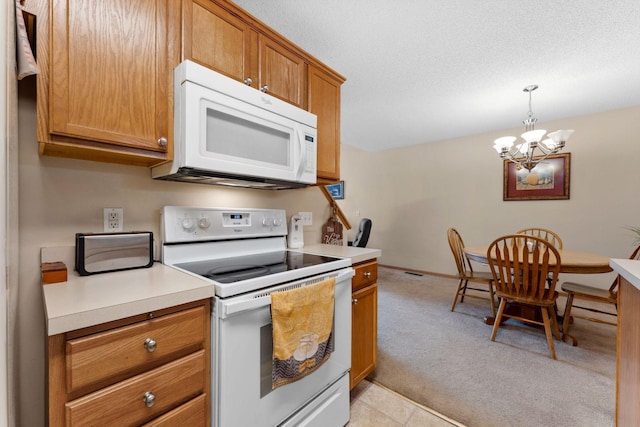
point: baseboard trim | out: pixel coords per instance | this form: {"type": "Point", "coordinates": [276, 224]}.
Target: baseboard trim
{"type": "Point", "coordinates": [412, 270]}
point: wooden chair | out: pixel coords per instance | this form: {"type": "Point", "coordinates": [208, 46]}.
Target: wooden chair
{"type": "Point", "coordinates": [466, 273]}
{"type": "Point", "coordinates": [520, 273]}
{"type": "Point", "coordinates": [543, 233]}
{"type": "Point", "coordinates": [591, 293]}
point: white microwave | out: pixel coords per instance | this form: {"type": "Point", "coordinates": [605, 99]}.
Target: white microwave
{"type": "Point", "coordinates": [231, 134]}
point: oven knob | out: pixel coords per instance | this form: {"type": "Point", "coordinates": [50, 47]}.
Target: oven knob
{"type": "Point", "coordinates": [187, 224]}
{"type": "Point", "coordinates": [266, 222]}
{"type": "Point", "coordinates": [277, 222]}
{"type": "Point", "coordinates": [204, 223]}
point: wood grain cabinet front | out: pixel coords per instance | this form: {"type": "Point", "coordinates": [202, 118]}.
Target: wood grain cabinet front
{"type": "Point", "coordinates": [219, 36]}
{"type": "Point", "coordinates": [105, 91]}
{"type": "Point", "coordinates": [220, 40]}
{"type": "Point", "coordinates": [324, 102]}
{"type": "Point", "coordinates": [364, 321]}
{"type": "Point", "coordinates": [150, 368]}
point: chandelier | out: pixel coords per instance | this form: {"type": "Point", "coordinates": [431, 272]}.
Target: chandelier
{"type": "Point", "coordinates": [532, 149]}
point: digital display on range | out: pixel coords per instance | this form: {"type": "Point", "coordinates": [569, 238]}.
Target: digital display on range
{"type": "Point", "coordinates": [233, 219]}
{"type": "Point", "coordinates": [308, 138]}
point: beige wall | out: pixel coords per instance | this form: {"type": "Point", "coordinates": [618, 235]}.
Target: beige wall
{"type": "Point", "coordinates": [412, 195]}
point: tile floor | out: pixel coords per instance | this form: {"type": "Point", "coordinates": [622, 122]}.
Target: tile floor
{"type": "Point", "coordinates": [375, 406]}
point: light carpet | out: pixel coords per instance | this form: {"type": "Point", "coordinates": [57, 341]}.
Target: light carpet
{"type": "Point", "coordinates": [446, 361]}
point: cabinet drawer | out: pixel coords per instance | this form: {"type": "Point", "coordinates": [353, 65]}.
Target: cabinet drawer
{"type": "Point", "coordinates": [366, 274]}
{"type": "Point", "coordinates": [123, 403]}
{"type": "Point", "coordinates": [107, 357]}
{"type": "Point", "coordinates": [192, 414]}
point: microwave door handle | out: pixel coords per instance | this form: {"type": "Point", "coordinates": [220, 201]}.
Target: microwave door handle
{"type": "Point", "coordinates": [303, 156]}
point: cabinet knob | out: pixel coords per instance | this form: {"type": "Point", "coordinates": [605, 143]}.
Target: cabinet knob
{"type": "Point", "coordinates": [264, 88]}
{"type": "Point", "coordinates": [354, 301]}
{"type": "Point", "coordinates": [162, 141]}
{"type": "Point", "coordinates": [248, 81]}
{"type": "Point", "coordinates": [149, 399]}
{"type": "Point", "coordinates": [367, 274]}
{"type": "Point", "coordinates": [150, 344]}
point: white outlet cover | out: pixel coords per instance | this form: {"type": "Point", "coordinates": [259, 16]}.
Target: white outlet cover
{"type": "Point", "coordinates": [306, 218]}
{"type": "Point", "coordinates": [113, 220]}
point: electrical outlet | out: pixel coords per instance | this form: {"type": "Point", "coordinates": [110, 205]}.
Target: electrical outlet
{"type": "Point", "coordinates": [113, 220]}
{"type": "Point", "coordinates": [306, 218]}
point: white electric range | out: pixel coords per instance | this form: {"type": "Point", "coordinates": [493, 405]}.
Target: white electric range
{"type": "Point", "coordinates": [243, 253]}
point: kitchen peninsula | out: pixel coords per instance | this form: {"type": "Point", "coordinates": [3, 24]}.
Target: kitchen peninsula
{"type": "Point", "coordinates": [628, 350]}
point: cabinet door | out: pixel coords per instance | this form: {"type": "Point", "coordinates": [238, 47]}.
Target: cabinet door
{"type": "Point", "coordinates": [364, 338]}
{"type": "Point", "coordinates": [110, 77]}
{"type": "Point", "coordinates": [221, 41]}
{"type": "Point", "coordinates": [324, 101]}
{"type": "Point", "coordinates": [282, 73]}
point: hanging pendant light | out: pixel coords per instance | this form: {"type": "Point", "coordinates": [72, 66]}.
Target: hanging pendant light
{"type": "Point", "coordinates": [533, 148]}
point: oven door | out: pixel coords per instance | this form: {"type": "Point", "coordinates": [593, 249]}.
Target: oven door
{"type": "Point", "coordinates": [242, 350]}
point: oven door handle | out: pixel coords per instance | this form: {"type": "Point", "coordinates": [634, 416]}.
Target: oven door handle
{"type": "Point", "coordinates": [251, 303]}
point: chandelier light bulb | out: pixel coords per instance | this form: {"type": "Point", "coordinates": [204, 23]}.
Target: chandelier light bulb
{"type": "Point", "coordinates": [503, 143]}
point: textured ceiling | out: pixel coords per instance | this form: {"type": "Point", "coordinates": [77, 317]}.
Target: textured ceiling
{"type": "Point", "coordinates": [420, 71]}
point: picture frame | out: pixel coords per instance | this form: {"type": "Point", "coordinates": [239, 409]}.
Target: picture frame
{"type": "Point", "coordinates": [336, 190]}
{"type": "Point", "coordinates": [549, 180]}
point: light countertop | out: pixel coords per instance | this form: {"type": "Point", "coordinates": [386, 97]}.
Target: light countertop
{"type": "Point", "coordinates": [627, 268]}
{"type": "Point", "coordinates": [84, 301]}
{"type": "Point", "coordinates": [356, 254]}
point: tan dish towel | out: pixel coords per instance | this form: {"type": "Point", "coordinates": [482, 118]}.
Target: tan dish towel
{"type": "Point", "coordinates": [302, 321]}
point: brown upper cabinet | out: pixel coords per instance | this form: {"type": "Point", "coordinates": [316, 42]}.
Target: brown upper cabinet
{"type": "Point", "coordinates": [105, 91]}
{"type": "Point", "coordinates": [324, 101]}
{"type": "Point", "coordinates": [221, 41]}
{"type": "Point", "coordinates": [218, 39]}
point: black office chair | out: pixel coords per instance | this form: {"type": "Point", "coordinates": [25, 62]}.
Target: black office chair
{"type": "Point", "coordinates": [362, 235]}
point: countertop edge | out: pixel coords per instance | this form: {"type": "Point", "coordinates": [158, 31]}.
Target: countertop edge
{"type": "Point", "coordinates": [84, 301]}
{"type": "Point", "coordinates": [627, 268]}
{"type": "Point", "coordinates": [356, 254]}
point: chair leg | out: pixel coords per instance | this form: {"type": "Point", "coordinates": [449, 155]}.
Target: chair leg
{"type": "Point", "coordinates": [492, 299]}
{"type": "Point", "coordinates": [547, 330]}
{"type": "Point", "coordinates": [567, 315]}
{"type": "Point", "coordinates": [554, 323]}
{"type": "Point", "coordinates": [455, 298]}
{"type": "Point", "coordinates": [496, 323]}
{"type": "Point", "coordinates": [464, 291]}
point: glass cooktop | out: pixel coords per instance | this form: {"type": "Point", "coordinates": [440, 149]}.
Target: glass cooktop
{"type": "Point", "coordinates": [236, 269]}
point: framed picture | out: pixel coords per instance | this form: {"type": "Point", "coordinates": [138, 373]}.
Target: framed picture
{"type": "Point", "coordinates": [549, 180]}
{"type": "Point", "coordinates": [336, 190]}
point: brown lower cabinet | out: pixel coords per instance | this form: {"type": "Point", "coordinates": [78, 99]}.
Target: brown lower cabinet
{"type": "Point", "coordinates": [364, 321]}
{"type": "Point", "coordinates": [628, 356]}
{"type": "Point", "coordinates": [151, 369]}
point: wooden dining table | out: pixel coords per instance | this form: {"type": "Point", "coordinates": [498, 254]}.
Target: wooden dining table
{"type": "Point", "coordinates": [570, 262]}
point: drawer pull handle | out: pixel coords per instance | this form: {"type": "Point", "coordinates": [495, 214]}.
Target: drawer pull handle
{"type": "Point", "coordinates": [354, 301]}
{"type": "Point", "coordinates": [150, 344]}
{"type": "Point", "coordinates": [149, 399]}
{"type": "Point", "coordinates": [163, 141]}
{"type": "Point", "coordinates": [367, 274]}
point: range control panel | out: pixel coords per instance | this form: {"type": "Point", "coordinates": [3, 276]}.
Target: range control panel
{"type": "Point", "coordinates": [193, 224]}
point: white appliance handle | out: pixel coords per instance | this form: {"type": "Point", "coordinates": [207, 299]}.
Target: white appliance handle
{"type": "Point", "coordinates": [257, 299]}
{"type": "Point", "coordinates": [303, 155]}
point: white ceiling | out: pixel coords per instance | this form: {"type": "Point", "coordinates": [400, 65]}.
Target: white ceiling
{"type": "Point", "coordinates": [420, 71]}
